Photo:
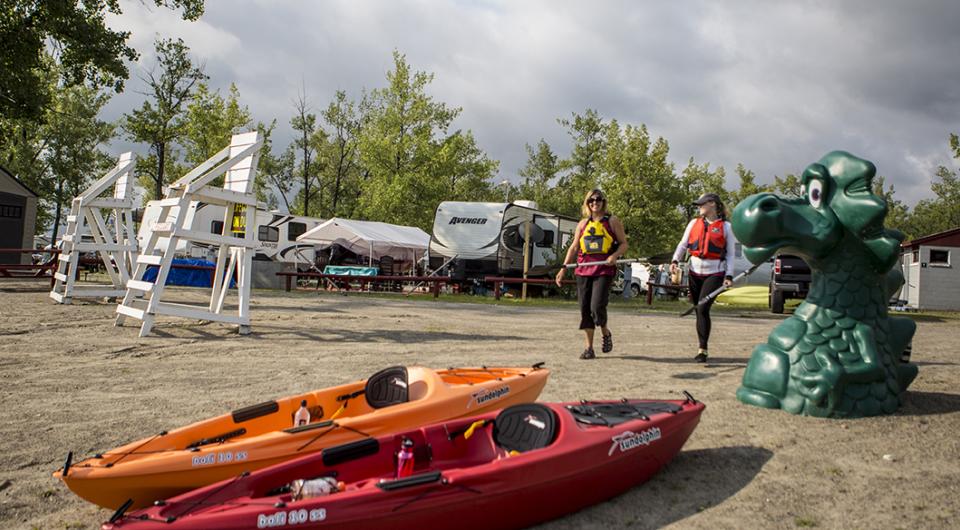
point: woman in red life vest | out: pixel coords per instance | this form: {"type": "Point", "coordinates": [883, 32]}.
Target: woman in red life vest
{"type": "Point", "coordinates": [599, 237]}
{"type": "Point", "coordinates": [710, 242]}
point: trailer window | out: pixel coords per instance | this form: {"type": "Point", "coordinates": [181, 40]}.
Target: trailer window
{"type": "Point", "coordinates": [294, 230]}
{"type": "Point", "coordinates": [216, 227]}
{"type": "Point", "coordinates": [939, 257]}
{"type": "Point", "coordinates": [547, 241]}
{"type": "Point", "coordinates": [270, 234]}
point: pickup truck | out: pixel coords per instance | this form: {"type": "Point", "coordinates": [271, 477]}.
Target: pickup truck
{"type": "Point", "coordinates": [789, 278]}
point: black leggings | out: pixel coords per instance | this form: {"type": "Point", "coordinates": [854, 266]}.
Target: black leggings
{"type": "Point", "coordinates": [593, 292]}
{"type": "Point", "coordinates": [700, 287]}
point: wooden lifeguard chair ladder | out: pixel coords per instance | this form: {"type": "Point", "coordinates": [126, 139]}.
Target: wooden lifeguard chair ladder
{"type": "Point", "coordinates": [117, 249]}
{"type": "Point", "coordinates": [143, 299]}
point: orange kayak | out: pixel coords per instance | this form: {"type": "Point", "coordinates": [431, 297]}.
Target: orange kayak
{"type": "Point", "coordinates": [392, 400]}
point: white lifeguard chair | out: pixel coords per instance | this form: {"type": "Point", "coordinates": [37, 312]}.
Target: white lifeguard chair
{"type": "Point", "coordinates": [117, 249]}
{"type": "Point", "coordinates": [143, 299]}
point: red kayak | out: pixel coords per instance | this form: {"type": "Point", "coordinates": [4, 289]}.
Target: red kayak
{"type": "Point", "coordinates": [528, 464]}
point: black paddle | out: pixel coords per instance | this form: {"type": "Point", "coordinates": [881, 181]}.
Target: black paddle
{"type": "Point", "coordinates": [719, 291]}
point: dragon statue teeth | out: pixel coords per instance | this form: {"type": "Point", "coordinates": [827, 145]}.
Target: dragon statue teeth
{"type": "Point", "coordinates": [839, 354]}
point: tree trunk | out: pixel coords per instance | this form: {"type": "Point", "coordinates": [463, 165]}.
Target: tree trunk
{"type": "Point", "coordinates": [56, 215]}
{"type": "Point", "coordinates": [161, 161]}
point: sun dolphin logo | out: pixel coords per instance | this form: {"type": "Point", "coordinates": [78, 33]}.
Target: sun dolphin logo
{"type": "Point", "coordinates": [485, 396]}
{"type": "Point", "coordinates": [628, 440]}
{"type": "Point", "coordinates": [468, 220]}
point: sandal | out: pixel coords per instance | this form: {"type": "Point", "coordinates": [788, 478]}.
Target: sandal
{"type": "Point", "coordinates": [588, 354]}
{"type": "Point", "coordinates": [607, 343]}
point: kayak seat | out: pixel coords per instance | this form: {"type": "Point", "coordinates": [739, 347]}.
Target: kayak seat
{"type": "Point", "coordinates": [612, 414]}
{"type": "Point", "coordinates": [525, 427]}
{"type": "Point", "coordinates": [387, 387]}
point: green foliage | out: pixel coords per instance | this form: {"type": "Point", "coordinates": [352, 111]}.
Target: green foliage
{"type": "Point", "coordinates": [542, 168]}
{"type": "Point", "coordinates": [87, 52]}
{"type": "Point", "coordinates": [410, 159]}
{"type": "Point", "coordinates": [342, 173]}
{"type": "Point", "coordinates": [581, 172]}
{"type": "Point", "coordinates": [697, 180]}
{"type": "Point", "coordinates": [162, 120]}
{"type": "Point", "coordinates": [210, 121]}
{"type": "Point", "coordinates": [748, 186]}
{"type": "Point", "coordinates": [59, 155]}
{"type": "Point", "coordinates": [788, 186]}
{"type": "Point", "coordinates": [898, 216]}
{"type": "Point", "coordinates": [642, 188]}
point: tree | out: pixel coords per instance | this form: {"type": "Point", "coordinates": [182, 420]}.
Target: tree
{"type": "Point", "coordinates": [210, 121]}
{"type": "Point", "coordinates": [581, 172]}
{"type": "Point", "coordinates": [748, 187]}
{"type": "Point", "coordinates": [74, 148]}
{"type": "Point", "coordinates": [410, 159]}
{"type": "Point", "coordinates": [642, 188]}
{"type": "Point", "coordinates": [305, 144]}
{"type": "Point", "coordinates": [342, 152]}
{"type": "Point", "coordinates": [271, 172]}
{"type": "Point", "coordinates": [75, 32]}
{"type": "Point", "coordinates": [898, 215]}
{"type": "Point", "coordinates": [699, 179]}
{"type": "Point", "coordinates": [788, 186]}
{"type": "Point", "coordinates": [161, 123]}
{"type": "Point", "coordinates": [542, 168]}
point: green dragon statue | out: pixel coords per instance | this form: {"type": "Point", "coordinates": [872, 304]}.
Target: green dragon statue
{"type": "Point", "coordinates": [839, 354]}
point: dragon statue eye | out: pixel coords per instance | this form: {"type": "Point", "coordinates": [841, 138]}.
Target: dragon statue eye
{"type": "Point", "coordinates": [815, 193]}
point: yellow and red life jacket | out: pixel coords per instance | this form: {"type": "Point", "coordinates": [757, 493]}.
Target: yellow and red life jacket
{"type": "Point", "coordinates": [707, 240]}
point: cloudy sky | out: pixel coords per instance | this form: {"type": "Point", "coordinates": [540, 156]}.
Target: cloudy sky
{"type": "Point", "coordinates": [771, 86]}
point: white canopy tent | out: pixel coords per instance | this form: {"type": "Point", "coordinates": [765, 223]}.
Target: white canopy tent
{"type": "Point", "coordinates": [371, 238]}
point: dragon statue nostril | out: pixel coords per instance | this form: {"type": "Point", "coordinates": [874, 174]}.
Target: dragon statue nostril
{"type": "Point", "coordinates": [839, 354]}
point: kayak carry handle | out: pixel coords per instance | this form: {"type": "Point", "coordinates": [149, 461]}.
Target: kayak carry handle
{"type": "Point", "coordinates": [220, 438]}
{"type": "Point", "coordinates": [539, 365]}
{"type": "Point", "coordinates": [690, 398]}
{"type": "Point", "coordinates": [120, 511]}
{"type": "Point", "coordinates": [407, 482]}
{"type": "Point", "coordinates": [346, 397]}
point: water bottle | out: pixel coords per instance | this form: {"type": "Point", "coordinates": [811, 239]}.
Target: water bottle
{"type": "Point", "coordinates": [302, 416]}
{"type": "Point", "coordinates": [405, 458]}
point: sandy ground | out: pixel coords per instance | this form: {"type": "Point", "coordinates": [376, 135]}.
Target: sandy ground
{"type": "Point", "coordinates": [72, 381]}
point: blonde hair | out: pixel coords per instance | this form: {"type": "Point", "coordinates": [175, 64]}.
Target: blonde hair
{"type": "Point", "coordinates": [585, 208]}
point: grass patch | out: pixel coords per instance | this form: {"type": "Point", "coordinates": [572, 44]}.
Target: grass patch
{"type": "Point", "coordinates": [805, 522]}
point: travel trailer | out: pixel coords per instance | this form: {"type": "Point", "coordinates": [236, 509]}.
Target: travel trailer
{"type": "Point", "coordinates": [276, 232]}
{"type": "Point", "coordinates": [474, 239]}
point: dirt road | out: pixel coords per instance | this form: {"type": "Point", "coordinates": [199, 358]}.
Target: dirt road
{"type": "Point", "coordinates": [73, 382]}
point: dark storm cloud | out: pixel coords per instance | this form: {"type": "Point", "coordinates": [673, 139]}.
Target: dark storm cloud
{"type": "Point", "coordinates": [773, 86]}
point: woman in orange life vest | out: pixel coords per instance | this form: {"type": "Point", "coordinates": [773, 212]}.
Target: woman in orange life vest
{"type": "Point", "coordinates": [599, 237]}
{"type": "Point", "coordinates": [709, 239]}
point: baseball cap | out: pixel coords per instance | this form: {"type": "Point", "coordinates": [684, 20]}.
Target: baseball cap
{"type": "Point", "coordinates": [707, 197]}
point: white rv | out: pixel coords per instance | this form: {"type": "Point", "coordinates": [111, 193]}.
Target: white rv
{"type": "Point", "coordinates": [276, 232]}
{"type": "Point", "coordinates": [474, 239]}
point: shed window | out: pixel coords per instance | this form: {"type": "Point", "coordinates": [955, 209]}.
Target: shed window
{"type": "Point", "coordinates": [15, 212]}
{"type": "Point", "coordinates": [939, 257]}
{"type": "Point", "coordinates": [216, 227]}
{"type": "Point", "coordinates": [915, 255]}
{"type": "Point", "coordinates": [547, 241]}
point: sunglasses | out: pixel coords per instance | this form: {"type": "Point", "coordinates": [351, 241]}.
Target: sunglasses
{"type": "Point", "coordinates": [595, 199]}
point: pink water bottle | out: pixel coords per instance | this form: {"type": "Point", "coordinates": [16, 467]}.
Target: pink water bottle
{"type": "Point", "coordinates": [405, 458]}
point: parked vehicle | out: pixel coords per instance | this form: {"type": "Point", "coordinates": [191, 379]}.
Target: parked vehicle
{"type": "Point", "coordinates": [277, 232]}
{"type": "Point", "coordinates": [474, 239]}
{"type": "Point", "coordinates": [639, 275]}
{"type": "Point", "coordinates": [789, 278]}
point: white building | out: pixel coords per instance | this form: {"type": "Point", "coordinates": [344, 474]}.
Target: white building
{"type": "Point", "coordinates": [932, 271]}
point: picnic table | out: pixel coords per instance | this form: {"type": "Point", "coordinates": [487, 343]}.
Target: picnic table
{"type": "Point", "coordinates": [43, 269]}
{"type": "Point", "coordinates": [665, 286]}
{"type": "Point", "coordinates": [498, 280]}
{"type": "Point", "coordinates": [346, 279]}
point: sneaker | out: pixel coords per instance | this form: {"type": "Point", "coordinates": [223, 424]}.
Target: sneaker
{"type": "Point", "coordinates": [607, 343]}
{"type": "Point", "coordinates": [588, 354]}
{"type": "Point", "coordinates": [701, 357]}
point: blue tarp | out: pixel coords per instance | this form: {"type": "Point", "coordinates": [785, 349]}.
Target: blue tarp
{"type": "Point", "coordinates": [188, 277]}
